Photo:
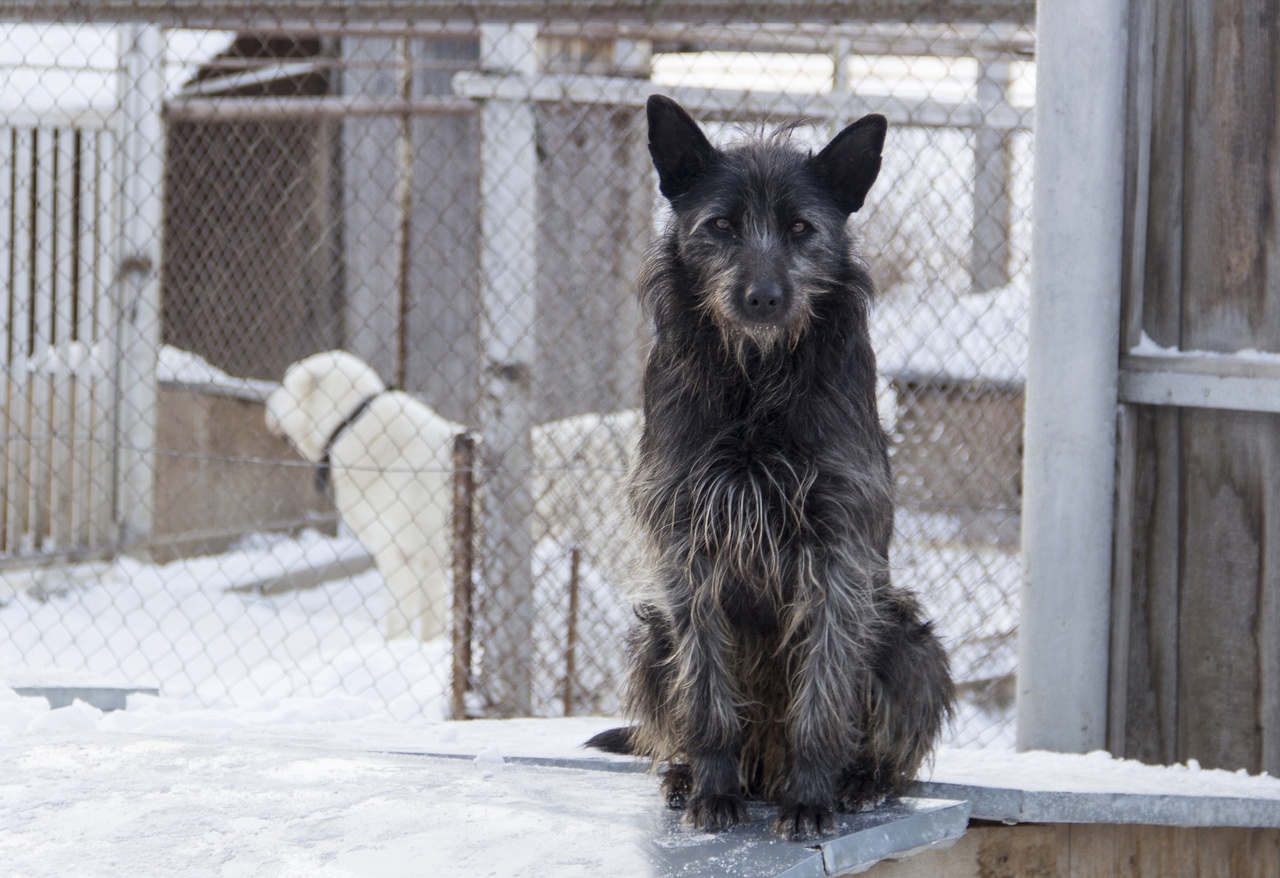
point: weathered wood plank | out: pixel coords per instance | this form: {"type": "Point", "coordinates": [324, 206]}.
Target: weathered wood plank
{"type": "Point", "coordinates": [1204, 274]}
{"type": "Point", "coordinates": [593, 230]}
{"type": "Point", "coordinates": [441, 317]}
{"type": "Point", "coordinates": [1231, 258]}
{"type": "Point", "coordinates": [62, 500]}
{"type": "Point", "coordinates": [81, 472]}
{"type": "Point", "coordinates": [1151, 661]}
{"type": "Point", "coordinates": [1161, 258]}
{"type": "Point", "coordinates": [1022, 851]}
{"type": "Point", "coordinates": [1219, 718]}
{"type": "Point", "coordinates": [1231, 300]}
{"type": "Point", "coordinates": [40, 513]}
{"type": "Point", "coordinates": [1096, 851]}
{"type": "Point", "coordinates": [105, 320]}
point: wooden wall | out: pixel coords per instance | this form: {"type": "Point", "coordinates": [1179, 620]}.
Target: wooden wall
{"type": "Point", "coordinates": [1063, 850]}
{"type": "Point", "coordinates": [1196, 615]}
{"type": "Point", "coordinates": [215, 480]}
{"type": "Point", "coordinates": [251, 265]}
{"type": "Point", "coordinates": [595, 197]}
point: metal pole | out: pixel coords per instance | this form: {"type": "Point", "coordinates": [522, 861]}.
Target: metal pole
{"type": "Point", "coordinates": [508, 277]}
{"type": "Point", "coordinates": [989, 247]}
{"type": "Point", "coordinates": [404, 198]}
{"type": "Point", "coordinates": [141, 169]}
{"type": "Point", "coordinates": [1069, 465]}
{"type": "Point", "coordinates": [463, 550]}
{"type": "Point", "coordinates": [571, 630]}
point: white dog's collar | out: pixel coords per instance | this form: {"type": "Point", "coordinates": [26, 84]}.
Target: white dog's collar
{"type": "Point", "coordinates": [322, 471]}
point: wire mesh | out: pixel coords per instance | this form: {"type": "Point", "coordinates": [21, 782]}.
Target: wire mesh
{"type": "Point", "coordinates": [464, 207]}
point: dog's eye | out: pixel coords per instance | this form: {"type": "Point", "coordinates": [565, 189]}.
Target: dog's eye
{"type": "Point", "coordinates": [723, 224]}
{"type": "Point", "coordinates": [799, 227]}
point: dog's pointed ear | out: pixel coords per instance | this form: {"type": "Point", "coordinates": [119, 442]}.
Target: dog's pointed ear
{"type": "Point", "coordinates": [681, 152]}
{"type": "Point", "coordinates": [849, 163]}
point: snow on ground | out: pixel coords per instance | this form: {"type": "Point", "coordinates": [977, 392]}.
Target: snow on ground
{"type": "Point", "coordinates": [972, 337]}
{"type": "Point", "coordinates": [199, 631]}
{"type": "Point", "coordinates": [335, 787]}
{"type": "Point", "coordinates": [181, 628]}
{"type": "Point", "coordinates": [86, 794]}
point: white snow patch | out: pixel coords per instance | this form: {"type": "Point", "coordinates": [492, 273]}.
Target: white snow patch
{"type": "Point", "coordinates": [1147, 347]}
{"type": "Point", "coordinates": [183, 367]}
{"type": "Point", "coordinates": [968, 337]}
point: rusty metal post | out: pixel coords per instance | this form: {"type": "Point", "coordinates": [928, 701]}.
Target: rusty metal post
{"type": "Point", "coordinates": [571, 630]}
{"type": "Point", "coordinates": [463, 563]}
{"type": "Point", "coordinates": [404, 201]}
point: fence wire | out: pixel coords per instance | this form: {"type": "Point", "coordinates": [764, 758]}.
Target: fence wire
{"type": "Point", "coordinates": [462, 207]}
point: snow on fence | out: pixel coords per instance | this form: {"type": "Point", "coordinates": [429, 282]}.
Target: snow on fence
{"type": "Point", "coordinates": [465, 207]}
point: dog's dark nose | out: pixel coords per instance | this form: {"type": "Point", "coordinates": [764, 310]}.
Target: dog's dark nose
{"type": "Point", "coordinates": [764, 301]}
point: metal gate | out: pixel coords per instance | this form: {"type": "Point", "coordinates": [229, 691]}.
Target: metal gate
{"type": "Point", "coordinates": [76, 273]}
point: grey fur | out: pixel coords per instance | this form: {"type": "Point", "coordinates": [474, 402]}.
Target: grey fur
{"type": "Point", "coordinates": [772, 657]}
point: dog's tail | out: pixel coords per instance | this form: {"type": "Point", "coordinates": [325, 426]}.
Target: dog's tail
{"type": "Point", "coordinates": [621, 741]}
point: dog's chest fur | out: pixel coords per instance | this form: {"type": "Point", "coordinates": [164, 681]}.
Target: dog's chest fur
{"type": "Point", "coordinates": [746, 467]}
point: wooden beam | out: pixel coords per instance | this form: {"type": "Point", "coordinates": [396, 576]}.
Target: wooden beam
{"type": "Point", "coordinates": [713, 103]}
{"type": "Point", "coordinates": [242, 13]}
{"type": "Point", "coordinates": [1195, 379]}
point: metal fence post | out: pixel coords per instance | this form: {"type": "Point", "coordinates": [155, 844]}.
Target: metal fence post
{"type": "Point", "coordinates": [508, 275]}
{"type": "Point", "coordinates": [141, 169]}
{"type": "Point", "coordinates": [1072, 373]}
{"type": "Point", "coordinates": [992, 206]}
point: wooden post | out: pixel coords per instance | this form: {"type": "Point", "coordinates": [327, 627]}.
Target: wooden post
{"type": "Point", "coordinates": [508, 279]}
{"type": "Point", "coordinates": [463, 562]}
{"type": "Point", "coordinates": [404, 207]}
{"type": "Point", "coordinates": [571, 630]}
{"type": "Point", "coordinates": [989, 249]}
{"type": "Point", "coordinates": [141, 170]}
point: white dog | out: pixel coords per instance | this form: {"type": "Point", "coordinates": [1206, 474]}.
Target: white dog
{"type": "Point", "coordinates": [390, 462]}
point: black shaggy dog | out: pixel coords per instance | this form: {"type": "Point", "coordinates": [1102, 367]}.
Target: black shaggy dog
{"type": "Point", "coordinates": [772, 656]}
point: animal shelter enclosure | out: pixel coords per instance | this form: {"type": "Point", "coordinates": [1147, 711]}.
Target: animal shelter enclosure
{"type": "Point", "coordinates": [196, 196]}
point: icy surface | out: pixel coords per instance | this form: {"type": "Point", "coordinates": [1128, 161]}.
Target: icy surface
{"type": "Point", "coordinates": [184, 367]}
{"type": "Point", "coordinates": [335, 787]}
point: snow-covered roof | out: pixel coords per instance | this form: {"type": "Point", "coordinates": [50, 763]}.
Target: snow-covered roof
{"type": "Point", "coordinates": [972, 337]}
{"type": "Point", "coordinates": [73, 68]}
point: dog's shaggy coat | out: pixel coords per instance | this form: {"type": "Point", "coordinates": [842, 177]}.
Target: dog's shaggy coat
{"type": "Point", "coordinates": [772, 655]}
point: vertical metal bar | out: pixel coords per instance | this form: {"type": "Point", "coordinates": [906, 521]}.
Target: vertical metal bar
{"type": "Point", "coordinates": [463, 562]}
{"type": "Point", "coordinates": [104, 464]}
{"type": "Point", "coordinates": [85, 452]}
{"type": "Point", "coordinates": [571, 630]}
{"type": "Point", "coordinates": [508, 272]}
{"type": "Point", "coordinates": [63, 354]}
{"type": "Point", "coordinates": [404, 201]}
{"type": "Point", "coordinates": [992, 208]}
{"type": "Point", "coordinates": [8, 244]}
{"type": "Point", "coordinates": [18, 464]}
{"type": "Point", "coordinates": [1069, 462]}
{"type": "Point", "coordinates": [40, 375]}
{"type": "Point", "coordinates": [839, 80]}
{"type": "Point", "coordinates": [138, 273]}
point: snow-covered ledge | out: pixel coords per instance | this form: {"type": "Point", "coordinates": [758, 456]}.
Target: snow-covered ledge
{"type": "Point", "coordinates": [1002, 785]}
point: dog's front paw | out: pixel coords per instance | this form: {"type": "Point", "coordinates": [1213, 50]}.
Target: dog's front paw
{"type": "Point", "coordinates": [864, 788]}
{"type": "Point", "coordinates": [676, 783]}
{"type": "Point", "coordinates": [799, 822]}
{"type": "Point", "coordinates": [863, 801]}
{"type": "Point", "coordinates": [715, 813]}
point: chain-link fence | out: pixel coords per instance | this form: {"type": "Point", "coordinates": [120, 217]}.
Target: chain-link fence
{"type": "Point", "coordinates": [194, 200]}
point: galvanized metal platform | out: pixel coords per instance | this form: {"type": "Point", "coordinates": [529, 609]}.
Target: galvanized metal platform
{"type": "Point", "coordinates": [894, 830]}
